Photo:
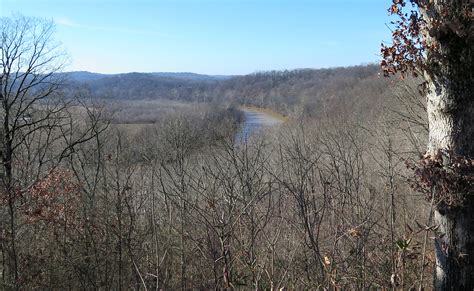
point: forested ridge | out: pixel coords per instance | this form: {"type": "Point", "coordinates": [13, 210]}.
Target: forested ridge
{"type": "Point", "coordinates": [309, 90]}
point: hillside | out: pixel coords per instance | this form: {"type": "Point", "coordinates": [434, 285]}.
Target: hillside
{"type": "Point", "coordinates": [307, 91]}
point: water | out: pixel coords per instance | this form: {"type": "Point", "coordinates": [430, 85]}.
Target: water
{"type": "Point", "coordinates": [255, 121]}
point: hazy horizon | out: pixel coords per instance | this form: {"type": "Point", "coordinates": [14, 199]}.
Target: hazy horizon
{"type": "Point", "coordinates": [204, 73]}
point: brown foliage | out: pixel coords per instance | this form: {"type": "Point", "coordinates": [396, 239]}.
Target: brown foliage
{"type": "Point", "coordinates": [451, 178]}
{"type": "Point", "coordinates": [52, 200]}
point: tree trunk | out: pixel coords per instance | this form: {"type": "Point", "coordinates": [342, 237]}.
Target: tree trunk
{"type": "Point", "coordinates": [450, 109]}
{"type": "Point", "coordinates": [451, 130]}
{"type": "Point", "coordinates": [455, 250]}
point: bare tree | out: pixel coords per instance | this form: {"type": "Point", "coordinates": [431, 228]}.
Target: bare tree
{"type": "Point", "coordinates": [299, 176]}
{"type": "Point", "coordinates": [38, 127]}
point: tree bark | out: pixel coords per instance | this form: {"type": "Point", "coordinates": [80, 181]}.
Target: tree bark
{"type": "Point", "coordinates": [451, 128]}
{"type": "Point", "coordinates": [450, 108]}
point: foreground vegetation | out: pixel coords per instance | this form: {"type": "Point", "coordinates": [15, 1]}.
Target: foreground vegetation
{"type": "Point", "coordinates": [164, 207]}
{"type": "Point", "coordinates": [167, 200]}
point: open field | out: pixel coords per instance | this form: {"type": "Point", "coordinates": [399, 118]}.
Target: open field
{"type": "Point", "coordinates": [147, 111]}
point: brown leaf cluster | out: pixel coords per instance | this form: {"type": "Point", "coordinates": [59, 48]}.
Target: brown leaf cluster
{"type": "Point", "coordinates": [52, 199]}
{"type": "Point", "coordinates": [451, 177]}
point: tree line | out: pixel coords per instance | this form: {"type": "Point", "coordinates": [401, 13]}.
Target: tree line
{"type": "Point", "coordinates": [306, 91]}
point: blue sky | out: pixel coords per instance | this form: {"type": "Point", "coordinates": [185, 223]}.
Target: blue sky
{"type": "Point", "coordinates": [212, 36]}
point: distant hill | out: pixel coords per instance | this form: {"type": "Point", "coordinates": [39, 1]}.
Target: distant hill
{"type": "Point", "coordinates": [85, 76]}
{"type": "Point", "coordinates": [191, 76]}
{"type": "Point", "coordinates": [308, 91]}
{"type": "Point", "coordinates": [140, 86]}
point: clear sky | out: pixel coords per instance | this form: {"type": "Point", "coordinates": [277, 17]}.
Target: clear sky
{"type": "Point", "coordinates": [212, 36]}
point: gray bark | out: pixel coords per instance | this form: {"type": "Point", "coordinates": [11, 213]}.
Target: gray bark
{"type": "Point", "coordinates": [451, 128]}
{"type": "Point", "coordinates": [450, 108]}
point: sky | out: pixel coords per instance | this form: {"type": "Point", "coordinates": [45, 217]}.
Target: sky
{"type": "Point", "coordinates": [220, 37]}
